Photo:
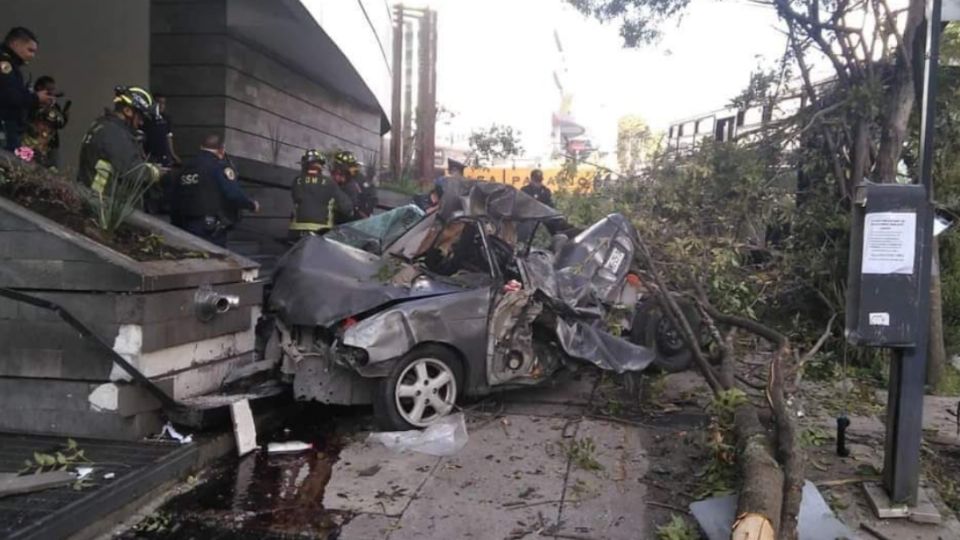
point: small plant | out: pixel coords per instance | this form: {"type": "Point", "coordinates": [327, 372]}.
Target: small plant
{"type": "Point", "coordinates": [123, 194]}
{"type": "Point", "coordinates": [656, 386]}
{"type": "Point", "coordinates": [949, 385]}
{"type": "Point", "coordinates": [614, 407]}
{"type": "Point", "coordinates": [725, 404]}
{"type": "Point", "coordinates": [67, 456]}
{"type": "Point", "coordinates": [814, 437]}
{"type": "Point", "coordinates": [677, 529]}
{"type": "Point", "coordinates": [154, 523]}
{"type": "Point", "coordinates": [581, 453]}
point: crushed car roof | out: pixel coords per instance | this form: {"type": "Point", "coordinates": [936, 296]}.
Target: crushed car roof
{"type": "Point", "coordinates": [476, 198]}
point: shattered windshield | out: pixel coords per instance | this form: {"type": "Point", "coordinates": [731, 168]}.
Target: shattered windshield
{"type": "Point", "coordinates": [376, 232]}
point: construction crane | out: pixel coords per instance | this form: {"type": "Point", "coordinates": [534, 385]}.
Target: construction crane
{"type": "Point", "coordinates": [566, 132]}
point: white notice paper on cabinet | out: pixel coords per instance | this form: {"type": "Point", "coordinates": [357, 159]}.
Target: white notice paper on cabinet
{"type": "Point", "coordinates": [889, 242]}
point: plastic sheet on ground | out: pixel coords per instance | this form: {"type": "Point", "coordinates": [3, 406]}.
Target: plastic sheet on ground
{"type": "Point", "coordinates": [169, 431]}
{"type": "Point", "coordinates": [445, 438]}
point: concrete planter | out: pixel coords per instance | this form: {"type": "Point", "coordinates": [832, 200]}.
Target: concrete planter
{"type": "Point", "coordinates": [53, 381]}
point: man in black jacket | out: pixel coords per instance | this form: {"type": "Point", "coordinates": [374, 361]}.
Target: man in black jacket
{"type": "Point", "coordinates": [207, 197]}
{"type": "Point", "coordinates": [537, 190]}
{"type": "Point", "coordinates": [17, 102]}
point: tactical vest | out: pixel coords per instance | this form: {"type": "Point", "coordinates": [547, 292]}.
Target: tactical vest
{"type": "Point", "coordinates": [198, 194]}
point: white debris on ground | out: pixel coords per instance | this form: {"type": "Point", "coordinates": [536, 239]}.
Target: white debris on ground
{"type": "Point", "coordinates": [445, 438]}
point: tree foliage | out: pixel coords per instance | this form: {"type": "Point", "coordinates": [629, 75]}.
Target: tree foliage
{"type": "Point", "coordinates": [836, 133]}
{"type": "Point", "coordinates": [635, 143]}
{"type": "Point", "coordinates": [639, 20]}
{"type": "Point", "coordinates": [495, 142]}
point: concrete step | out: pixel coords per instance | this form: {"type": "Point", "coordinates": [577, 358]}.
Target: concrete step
{"type": "Point", "coordinates": [267, 263]}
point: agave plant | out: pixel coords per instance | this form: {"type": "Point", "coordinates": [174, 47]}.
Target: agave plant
{"type": "Point", "coordinates": [123, 194]}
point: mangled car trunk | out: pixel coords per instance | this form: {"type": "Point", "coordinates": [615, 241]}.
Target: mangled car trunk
{"type": "Point", "coordinates": [411, 311]}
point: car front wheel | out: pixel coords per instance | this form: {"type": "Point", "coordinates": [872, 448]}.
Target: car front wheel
{"type": "Point", "coordinates": [421, 389]}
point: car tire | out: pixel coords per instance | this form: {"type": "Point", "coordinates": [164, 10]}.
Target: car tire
{"type": "Point", "coordinates": [421, 389]}
{"type": "Point", "coordinates": [653, 329]}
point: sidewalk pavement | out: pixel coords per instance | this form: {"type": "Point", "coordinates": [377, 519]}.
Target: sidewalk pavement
{"type": "Point", "coordinates": [516, 477]}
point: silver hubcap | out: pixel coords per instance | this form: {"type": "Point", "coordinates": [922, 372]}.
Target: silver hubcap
{"type": "Point", "coordinates": [426, 391]}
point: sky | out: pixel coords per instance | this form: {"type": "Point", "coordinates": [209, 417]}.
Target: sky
{"type": "Point", "coordinates": [496, 58]}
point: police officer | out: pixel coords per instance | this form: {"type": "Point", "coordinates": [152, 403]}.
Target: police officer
{"type": "Point", "coordinates": [455, 169]}
{"type": "Point", "coordinates": [207, 197]}
{"type": "Point", "coordinates": [17, 102]}
{"type": "Point", "coordinates": [316, 198]}
{"type": "Point", "coordinates": [537, 190]}
{"type": "Point", "coordinates": [110, 149]}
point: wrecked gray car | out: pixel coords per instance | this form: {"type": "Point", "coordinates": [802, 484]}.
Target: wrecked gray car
{"type": "Point", "coordinates": [412, 311]}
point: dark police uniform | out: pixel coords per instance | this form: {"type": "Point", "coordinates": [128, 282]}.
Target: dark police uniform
{"type": "Point", "coordinates": [541, 193]}
{"type": "Point", "coordinates": [110, 148]}
{"type": "Point", "coordinates": [318, 204]}
{"type": "Point", "coordinates": [206, 197]}
{"type": "Point", "coordinates": [16, 100]}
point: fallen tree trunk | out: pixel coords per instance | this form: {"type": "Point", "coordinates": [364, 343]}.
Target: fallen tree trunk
{"type": "Point", "coordinates": [760, 503]}
{"type": "Point", "coordinates": [788, 451]}
{"type": "Point", "coordinates": [768, 505]}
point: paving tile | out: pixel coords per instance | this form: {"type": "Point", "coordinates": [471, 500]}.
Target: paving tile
{"type": "Point", "coordinates": [608, 502]}
{"type": "Point", "coordinates": [483, 491]}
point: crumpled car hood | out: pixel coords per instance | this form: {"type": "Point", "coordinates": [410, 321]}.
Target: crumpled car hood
{"type": "Point", "coordinates": [320, 282]}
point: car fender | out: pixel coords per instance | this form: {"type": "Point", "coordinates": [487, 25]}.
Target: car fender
{"type": "Point", "coordinates": [458, 320]}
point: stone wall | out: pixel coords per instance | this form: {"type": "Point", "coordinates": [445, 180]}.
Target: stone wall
{"type": "Point", "coordinates": [269, 111]}
{"type": "Point", "coordinates": [55, 380]}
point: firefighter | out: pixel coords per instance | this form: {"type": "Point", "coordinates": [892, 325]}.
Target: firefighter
{"type": "Point", "coordinates": [364, 191]}
{"type": "Point", "coordinates": [537, 190]}
{"type": "Point", "coordinates": [17, 102]}
{"type": "Point", "coordinates": [111, 150]}
{"type": "Point", "coordinates": [317, 199]}
{"type": "Point", "coordinates": [207, 196]}
{"type": "Point", "coordinates": [345, 169]}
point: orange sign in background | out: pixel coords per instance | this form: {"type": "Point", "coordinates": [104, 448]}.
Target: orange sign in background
{"type": "Point", "coordinates": [521, 177]}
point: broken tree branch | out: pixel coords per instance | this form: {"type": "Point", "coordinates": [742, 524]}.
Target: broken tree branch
{"type": "Point", "coordinates": [807, 356]}
{"type": "Point", "coordinates": [676, 317]}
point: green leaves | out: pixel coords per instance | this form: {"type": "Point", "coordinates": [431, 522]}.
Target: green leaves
{"type": "Point", "coordinates": [677, 529]}
{"type": "Point", "coordinates": [124, 194]}
{"type": "Point", "coordinates": [639, 20]}
{"type": "Point", "coordinates": [68, 455]}
{"type": "Point", "coordinates": [495, 142]}
{"type": "Point", "coordinates": [582, 453]}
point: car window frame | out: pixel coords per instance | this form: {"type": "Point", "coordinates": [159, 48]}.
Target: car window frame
{"type": "Point", "coordinates": [492, 269]}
